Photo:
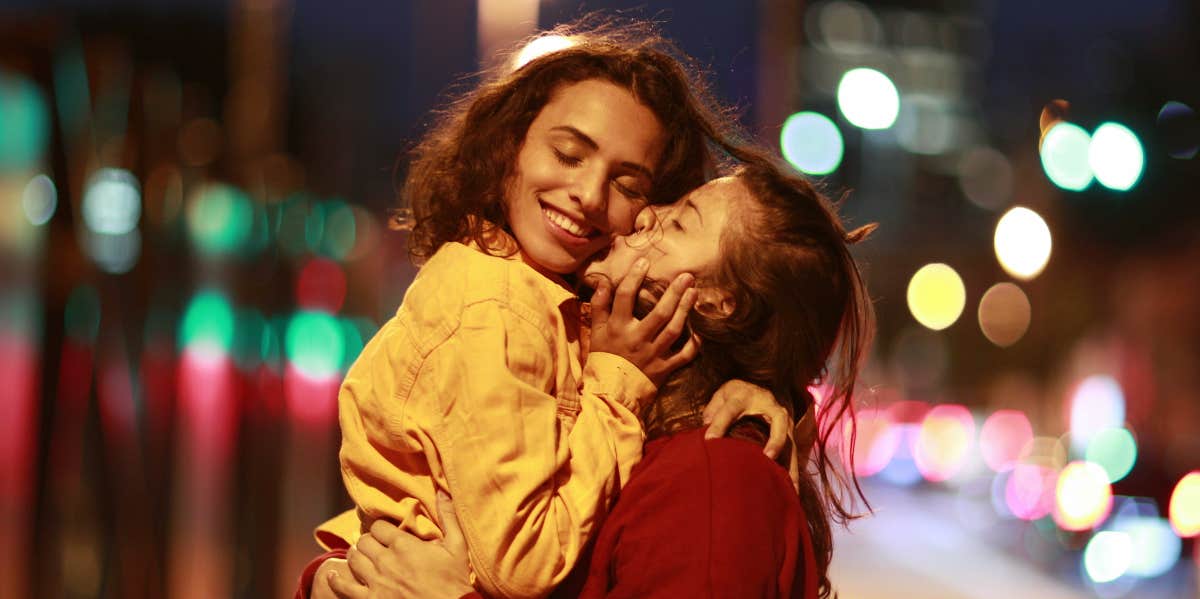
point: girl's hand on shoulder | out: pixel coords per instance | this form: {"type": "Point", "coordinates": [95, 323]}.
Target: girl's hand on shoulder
{"type": "Point", "coordinates": [737, 399]}
{"type": "Point", "coordinates": [647, 342]}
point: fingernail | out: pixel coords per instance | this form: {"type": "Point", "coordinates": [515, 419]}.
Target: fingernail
{"type": "Point", "coordinates": [641, 263]}
{"type": "Point", "coordinates": [686, 279]}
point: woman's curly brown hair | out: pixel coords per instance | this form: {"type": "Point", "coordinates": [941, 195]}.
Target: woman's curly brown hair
{"type": "Point", "coordinates": [455, 186]}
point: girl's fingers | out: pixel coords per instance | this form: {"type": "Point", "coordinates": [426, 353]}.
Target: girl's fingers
{"type": "Point", "coordinates": [686, 354]}
{"type": "Point", "coordinates": [452, 535]}
{"type": "Point", "coordinates": [345, 587]}
{"type": "Point", "coordinates": [780, 424]}
{"type": "Point", "coordinates": [622, 305]}
{"type": "Point", "coordinates": [361, 565]}
{"type": "Point", "coordinates": [369, 546]}
{"type": "Point", "coordinates": [668, 306]}
{"type": "Point", "coordinates": [678, 322]}
{"type": "Point", "coordinates": [385, 532]}
{"type": "Point", "coordinates": [714, 404]}
{"type": "Point", "coordinates": [601, 303]}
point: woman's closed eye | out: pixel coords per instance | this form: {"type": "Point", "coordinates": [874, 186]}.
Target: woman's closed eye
{"type": "Point", "coordinates": [567, 159]}
{"type": "Point", "coordinates": [628, 191]}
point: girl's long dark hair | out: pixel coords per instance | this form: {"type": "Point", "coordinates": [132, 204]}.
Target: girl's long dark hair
{"type": "Point", "coordinates": [801, 316]}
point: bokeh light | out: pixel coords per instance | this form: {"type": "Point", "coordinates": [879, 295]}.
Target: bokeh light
{"type": "Point", "coordinates": [845, 26]}
{"type": "Point", "coordinates": [114, 254]}
{"type": "Point", "coordinates": [875, 442]}
{"type": "Point", "coordinates": [1004, 314]}
{"type": "Point", "coordinates": [926, 125]}
{"type": "Point", "coordinates": [208, 322]}
{"type": "Point", "coordinates": [944, 442]}
{"type": "Point", "coordinates": [1115, 450]}
{"type": "Point", "coordinates": [112, 203]}
{"type": "Point", "coordinates": [1107, 556]}
{"type": "Point", "coordinates": [1116, 156]}
{"type": "Point", "coordinates": [986, 177]}
{"type": "Point", "coordinates": [1022, 243]}
{"type": "Point", "coordinates": [1004, 439]}
{"type": "Point", "coordinates": [1083, 496]}
{"type": "Point", "coordinates": [902, 469]}
{"type": "Point", "coordinates": [1179, 130]}
{"type": "Point", "coordinates": [541, 46]}
{"type": "Point", "coordinates": [321, 285]}
{"type": "Point", "coordinates": [1155, 546]}
{"type": "Point", "coordinates": [39, 199]}
{"type": "Point", "coordinates": [868, 99]}
{"type": "Point", "coordinates": [936, 296]}
{"type": "Point", "coordinates": [1184, 509]}
{"type": "Point", "coordinates": [1029, 491]}
{"type": "Point", "coordinates": [812, 143]}
{"type": "Point", "coordinates": [315, 344]}
{"type": "Point", "coordinates": [1097, 404]}
{"type": "Point", "coordinates": [338, 232]}
{"type": "Point", "coordinates": [24, 121]}
{"type": "Point", "coordinates": [1064, 154]}
{"type": "Point", "coordinates": [219, 218]}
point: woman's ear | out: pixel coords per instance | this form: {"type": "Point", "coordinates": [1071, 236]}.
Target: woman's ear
{"type": "Point", "coordinates": [714, 302]}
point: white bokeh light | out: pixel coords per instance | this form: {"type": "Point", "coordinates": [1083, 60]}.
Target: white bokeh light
{"type": "Point", "coordinates": [868, 99]}
{"type": "Point", "coordinates": [1116, 157]}
{"type": "Point", "coordinates": [1022, 243]}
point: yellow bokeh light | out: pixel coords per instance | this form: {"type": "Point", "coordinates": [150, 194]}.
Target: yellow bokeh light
{"type": "Point", "coordinates": [936, 296]}
{"type": "Point", "coordinates": [1022, 243]}
{"type": "Point", "coordinates": [1083, 496]}
{"type": "Point", "coordinates": [1184, 509]}
{"type": "Point", "coordinates": [1004, 314]}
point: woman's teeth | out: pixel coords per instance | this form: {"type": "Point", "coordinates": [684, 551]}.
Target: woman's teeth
{"type": "Point", "coordinates": [566, 223]}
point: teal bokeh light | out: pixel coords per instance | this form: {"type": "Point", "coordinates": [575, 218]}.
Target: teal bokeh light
{"type": "Point", "coordinates": [208, 321]}
{"type": "Point", "coordinates": [315, 344]}
{"type": "Point", "coordinates": [812, 143]}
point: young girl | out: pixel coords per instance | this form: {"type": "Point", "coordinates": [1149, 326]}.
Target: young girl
{"type": "Point", "coordinates": [477, 386]}
{"type": "Point", "coordinates": [782, 305]}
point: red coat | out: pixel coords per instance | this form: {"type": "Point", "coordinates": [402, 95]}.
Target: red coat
{"type": "Point", "coordinates": [701, 518]}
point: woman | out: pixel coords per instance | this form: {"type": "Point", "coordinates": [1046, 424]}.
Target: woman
{"type": "Point", "coordinates": [478, 386]}
{"type": "Point", "coordinates": [781, 300]}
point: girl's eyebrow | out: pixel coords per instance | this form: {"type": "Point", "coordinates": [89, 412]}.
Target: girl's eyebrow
{"type": "Point", "coordinates": [591, 143]}
{"type": "Point", "coordinates": [690, 204]}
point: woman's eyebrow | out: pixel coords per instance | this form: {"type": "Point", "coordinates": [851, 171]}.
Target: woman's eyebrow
{"type": "Point", "coordinates": [591, 143]}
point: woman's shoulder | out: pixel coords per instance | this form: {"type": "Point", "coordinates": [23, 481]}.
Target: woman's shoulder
{"type": "Point", "coordinates": [688, 462]}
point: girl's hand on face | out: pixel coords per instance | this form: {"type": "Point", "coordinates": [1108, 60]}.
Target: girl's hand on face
{"type": "Point", "coordinates": [389, 562]}
{"type": "Point", "coordinates": [647, 342]}
{"type": "Point", "coordinates": [736, 399]}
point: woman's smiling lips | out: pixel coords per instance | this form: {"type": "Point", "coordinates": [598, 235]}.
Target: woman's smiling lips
{"type": "Point", "coordinates": [567, 230]}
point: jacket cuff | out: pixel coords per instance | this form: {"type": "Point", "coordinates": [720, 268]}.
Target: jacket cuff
{"type": "Point", "coordinates": [614, 378]}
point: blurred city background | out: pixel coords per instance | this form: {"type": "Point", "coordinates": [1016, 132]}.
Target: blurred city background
{"type": "Point", "coordinates": [193, 197]}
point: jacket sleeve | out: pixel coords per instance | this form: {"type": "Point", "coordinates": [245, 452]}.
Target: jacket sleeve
{"type": "Point", "coordinates": [528, 490]}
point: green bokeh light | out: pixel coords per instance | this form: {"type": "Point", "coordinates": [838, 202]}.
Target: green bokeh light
{"type": "Point", "coordinates": [208, 321]}
{"type": "Point", "coordinates": [357, 331]}
{"type": "Point", "coordinates": [291, 226]}
{"type": "Point", "coordinates": [24, 123]}
{"type": "Point", "coordinates": [1114, 450]}
{"type": "Point", "coordinates": [315, 344]}
{"type": "Point", "coordinates": [339, 231]}
{"type": "Point", "coordinates": [82, 315]}
{"type": "Point", "coordinates": [1065, 156]}
{"type": "Point", "coordinates": [219, 219]}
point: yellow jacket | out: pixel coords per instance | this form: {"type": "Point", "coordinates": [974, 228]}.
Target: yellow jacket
{"type": "Point", "coordinates": [476, 386]}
